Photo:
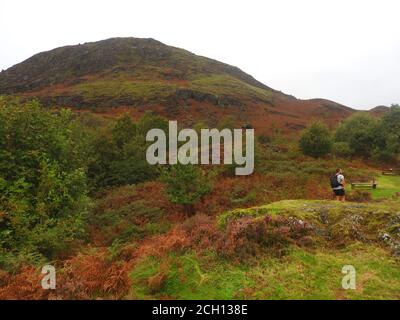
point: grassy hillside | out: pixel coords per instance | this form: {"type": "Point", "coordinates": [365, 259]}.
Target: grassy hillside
{"type": "Point", "coordinates": [136, 75]}
{"type": "Point", "coordinates": [131, 71]}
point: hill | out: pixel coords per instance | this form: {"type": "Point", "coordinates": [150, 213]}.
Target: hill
{"type": "Point", "coordinates": [379, 110]}
{"type": "Point", "coordinates": [121, 74]}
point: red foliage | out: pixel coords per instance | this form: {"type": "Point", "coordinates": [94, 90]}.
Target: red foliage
{"type": "Point", "coordinates": [248, 236]}
{"type": "Point", "coordinates": [176, 239]}
{"type": "Point", "coordinates": [85, 276]}
{"type": "Point", "coordinates": [256, 189]}
{"type": "Point", "coordinates": [201, 232]}
{"type": "Point", "coordinates": [89, 276]}
{"type": "Point", "coordinates": [25, 285]}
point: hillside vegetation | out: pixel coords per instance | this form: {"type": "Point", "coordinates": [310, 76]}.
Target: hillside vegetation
{"type": "Point", "coordinates": [79, 195]}
{"type": "Point", "coordinates": [138, 75]}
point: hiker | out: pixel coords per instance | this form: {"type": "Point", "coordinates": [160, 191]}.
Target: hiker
{"type": "Point", "coordinates": [338, 184]}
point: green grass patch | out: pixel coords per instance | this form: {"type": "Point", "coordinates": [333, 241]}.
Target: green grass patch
{"type": "Point", "coordinates": [220, 84]}
{"type": "Point", "coordinates": [299, 275]}
{"type": "Point", "coordinates": [306, 275]}
{"type": "Point", "coordinates": [299, 208]}
{"type": "Point", "coordinates": [188, 277]}
{"type": "Point", "coordinates": [387, 187]}
{"type": "Point", "coordinates": [310, 209]}
{"type": "Point", "coordinates": [114, 88]}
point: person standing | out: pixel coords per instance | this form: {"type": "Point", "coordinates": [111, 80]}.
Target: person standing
{"type": "Point", "coordinates": [338, 184]}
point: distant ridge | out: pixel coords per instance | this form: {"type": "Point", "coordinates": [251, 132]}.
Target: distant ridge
{"type": "Point", "coordinates": [379, 110]}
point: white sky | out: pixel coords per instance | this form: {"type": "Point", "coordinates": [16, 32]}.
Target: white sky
{"type": "Point", "coordinates": [344, 50]}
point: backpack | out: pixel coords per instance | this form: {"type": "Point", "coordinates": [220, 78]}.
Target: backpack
{"type": "Point", "coordinates": [334, 182]}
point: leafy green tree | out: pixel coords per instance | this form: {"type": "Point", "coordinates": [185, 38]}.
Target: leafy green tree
{"type": "Point", "coordinates": [119, 152]}
{"type": "Point", "coordinates": [103, 153]}
{"type": "Point", "coordinates": [316, 140]}
{"type": "Point", "coordinates": [151, 121]}
{"type": "Point", "coordinates": [42, 182]}
{"type": "Point", "coordinates": [123, 131]}
{"type": "Point", "coordinates": [186, 185]}
{"type": "Point", "coordinates": [359, 132]}
{"type": "Point", "coordinates": [387, 135]}
{"type": "Point", "coordinates": [131, 166]}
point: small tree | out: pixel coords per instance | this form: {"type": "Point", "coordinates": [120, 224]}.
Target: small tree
{"type": "Point", "coordinates": [316, 140]}
{"type": "Point", "coordinates": [119, 152]}
{"type": "Point", "coordinates": [124, 130]}
{"type": "Point", "coordinates": [186, 185]}
{"type": "Point", "coordinates": [387, 135]}
{"type": "Point", "coordinates": [359, 132]}
{"type": "Point", "coordinates": [151, 121]}
{"type": "Point", "coordinates": [43, 202]}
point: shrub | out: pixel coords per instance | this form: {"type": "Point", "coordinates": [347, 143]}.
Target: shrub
{"type": "Point", "coordinates": [368, 136]}
{"type": "Point", "coordinates": [151, 121]}
{"type": "Point", "coordinates": [359, 132]}
{"type": "Point", "coordinates": [201, 231]}
{"type": "Point", "coordinates": [388, 136]}
{"type": "Point", "coordinates": [92, 275]}
{"type": "Point", "coordinates": [359, 196]}
{"type": "Point", "coordinates": [123, 131]}
{"type": "Point", "coordinates": [119, 152]}
{"type": "Point", "coordinates": [342, 149]}
{"type": "Point", "coordinates": [126, 214]}
{"type": "Point", "coordinates": [23, 285]}
{"type": "Point", "coordinates": [264, 139]}
{"type": "Point", "coordinates": [186, 185]}
{"type": "Point", "coordinates": [247, 236]}
{"type": "Point", "coordinates": [316, 140]}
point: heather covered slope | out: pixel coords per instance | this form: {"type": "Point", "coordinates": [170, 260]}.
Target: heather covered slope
{"type": "Point", "coordinates": [144, 74]}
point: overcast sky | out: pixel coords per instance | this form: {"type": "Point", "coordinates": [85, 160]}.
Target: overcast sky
{"type": "Point", "coordinates": [343, 50]}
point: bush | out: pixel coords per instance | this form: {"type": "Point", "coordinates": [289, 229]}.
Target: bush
{"type": "Point", "coordinates": [119, 152]}
{"type": "Point", "coordinates": [368, 136]}
{"type": "Point", "coordinates": [201, 232]}
{"type": "Point", "coordinates": [264, 139]}
{"type": "Point", "coordinates": [359, 196]}
{"type": "Point", "coordinates": [388, 136]}
{"type": "Point", "coordinates": [186, 185]}
{"type": "Point", "coordinates": [151, 121]}
{"type": "Point", "coordinates": [316, 140]}
{"type": "Point", "coordinates": [247, 237]}
{"type": "Point", "coordinates": [359, 132]}
{"type": "Point", "coordinates": [342, 149]}
{"type": "Point", "coordinates": [122, 216]}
